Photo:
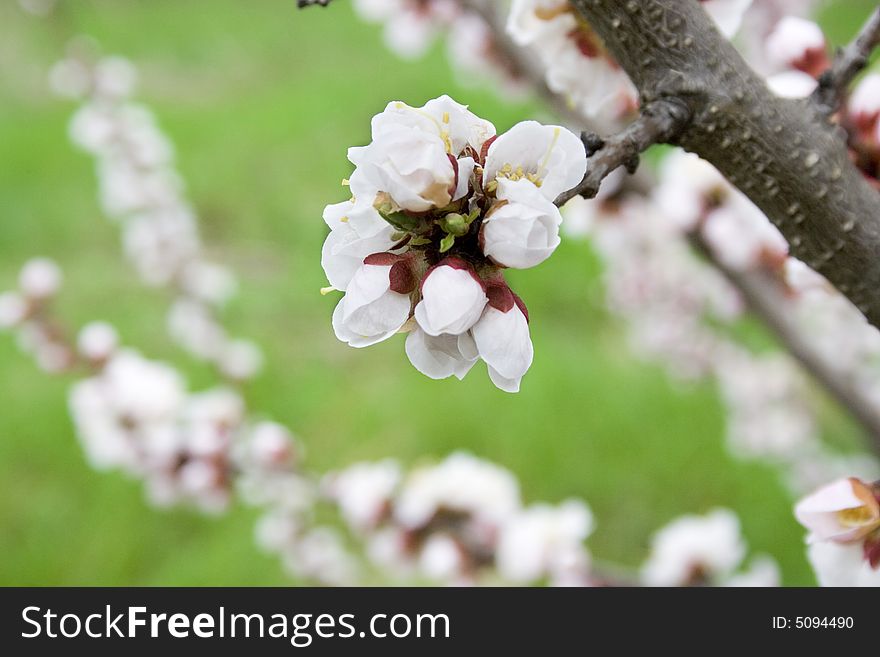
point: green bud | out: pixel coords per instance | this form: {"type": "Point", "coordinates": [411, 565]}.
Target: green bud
{"type": "Point", "coordinates": [455, 224]}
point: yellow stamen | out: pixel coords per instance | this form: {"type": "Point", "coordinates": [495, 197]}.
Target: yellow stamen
{"type": "Point", "coordinates": [856, 517]}
{"type": "Point", "coordinates": [327, 290]}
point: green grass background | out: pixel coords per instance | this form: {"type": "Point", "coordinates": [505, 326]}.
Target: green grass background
{"type": "Point", "coordinates": [262, 102]}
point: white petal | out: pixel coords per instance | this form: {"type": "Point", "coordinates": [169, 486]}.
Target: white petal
{"type": "Point", "coordinates": [452, 301]}
{"type": "Point", "coordinates": [370, 311]}
{"type": "Point", "coordinates": [344, 251]}
{"type": "Point", "coordinates": [502, 383]}
{"type": "Point", "coordinates": [465, 171]}
{"type": "Point", "coordinates": [437, 357]}
{"type": "Point", "coordinates": [524, 232]}
{"type": "Point", "coordinates": [552, 153]}
{"type": "Point", "coordinates": [504, 343]}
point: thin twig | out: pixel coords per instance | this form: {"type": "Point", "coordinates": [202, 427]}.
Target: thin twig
{"type": "Point", "coordinates": [311, 3]}
{"type": "Point", "coordinates": [848, 63]}
{"type": "Point", "coordinates": [658, 122]}
{"type": "Point", "coordinates": [767, 300]}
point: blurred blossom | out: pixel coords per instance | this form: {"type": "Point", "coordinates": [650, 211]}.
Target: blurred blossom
{"type": "Point", "coordinates": [545, 542]}
{"type": "Point", "coordinates": [40, 279]}
{"type": "Point", "coordinates": [364, 492]}
{"type": "Point", "coordinates": [695, 550]}
{"type": "Point", "coordinates": [97, 341]}
{"type": "Point", "coordinates": [845, 511]}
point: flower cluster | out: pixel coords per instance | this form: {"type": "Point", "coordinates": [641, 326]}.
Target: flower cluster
{"type": "Point", "coordinates": [843, 519]}
{"type": "Point", "coordinates": [705, 551]}
{"type": "Point", "coordinates": [440, 206]}
{"type": "Point", "coordinates": [458, 520]}
{"type": "Point", "coordinates": [141, 191]}
{"type": "Point", "coordinates": [575, 62]}
{"type": "Point", "coordinates": [136, 415]}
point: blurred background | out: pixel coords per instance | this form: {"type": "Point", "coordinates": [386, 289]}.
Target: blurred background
{"type": "Point", "coordinates": [262, 102]}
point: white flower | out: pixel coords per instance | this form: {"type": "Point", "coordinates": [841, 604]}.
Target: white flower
{"type": "Point", "coordinates": [410, 165]}
{"type": "Point", "coordinates": [551, 157]}
{"type": "Point", "coordinates": [461, 483]}
{"type": "Point", "coordinates": [503, 341]}
{"type": "Point", "coordinates": [794, 41]}
{"type": "Point", "coordinates": [531, 21]}
{"type": "Point", "coordinates": [453, 122]}
{"type": "Point", "coordinates": [441, 356]}
{"type": "Point", "coordinates": [543, 541]}
{"type": "Point", "coordinates": [97, 341]}
{"type": "Point", "coordinates": [727, 14]}
{"type": "Point", "coordinates": [141, 390]}
{"type": "Point", "coordinates": [363, 492]}
{"type": "Point", "coordinates": [843, 511]}
{"type": "Point", "coordinates": [864, 104]}
{"type": "Point", "coordinates": [356, 231]}
{"type": "Point", "coordinates": [414, 155]}
{"type": "Point", "coordinates": [694, 548]}
{"type": "Point", "coordinates": [40, 278]}
{"type": "Point", "coordinates": [837, 564]}
{"type": "Point", "coordinates": [370, 311]}
{"type": "Point", "coordinates": [453, 299]}
{"type": "Point", "coordinates": [523, 230]}
{"type": "Point", "coordinates": [270, 444]}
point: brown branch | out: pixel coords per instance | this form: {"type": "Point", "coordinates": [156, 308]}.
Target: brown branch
{"type": "Point", "coordinates": [658, 122]}
{"type": "Point", "coordinates": [766, 298]}
{"type": "Point", "coordinates": [301, 4]}
{"type": "Point", "coordinates": [848, 63]}
{"type": "Point", "coordinates": [782, 153]}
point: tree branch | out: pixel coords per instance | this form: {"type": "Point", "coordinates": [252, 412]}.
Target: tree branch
{"type": "Point", "coordinates": [782, 153]}
{"type": "Point", "coordinates": [301, 4]}
{"type": "Point", "coordinates": [848, 63]}
{"type": "Point", "coordinates": [765, 297]}
{"type": "Point", "coordinates": [658, 122]}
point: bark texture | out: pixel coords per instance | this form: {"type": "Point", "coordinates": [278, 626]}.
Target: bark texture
{"type": "Point", "coordinates": [783, 154]}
